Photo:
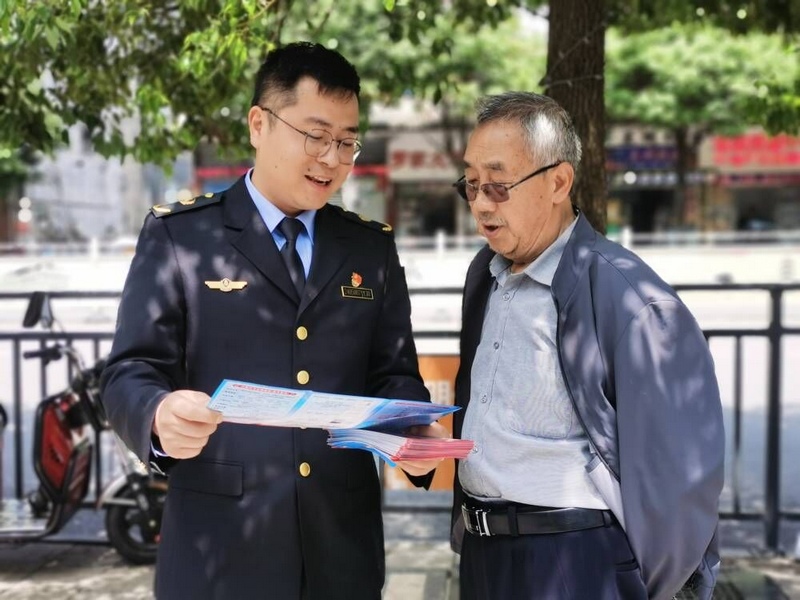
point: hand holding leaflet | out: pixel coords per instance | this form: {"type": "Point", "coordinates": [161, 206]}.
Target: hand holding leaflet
{"type": "Point", "coordinates": [396, 447]}
{"type": "Point", "coordinates": [373, 424]}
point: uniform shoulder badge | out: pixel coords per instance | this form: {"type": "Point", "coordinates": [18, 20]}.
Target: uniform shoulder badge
{"type": "Point", "coordinates": [366, 221]}
{"type": "Point", "coordinates": [163, 210]}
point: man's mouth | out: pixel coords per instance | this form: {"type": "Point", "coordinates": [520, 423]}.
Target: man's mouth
{"type": "Point", "coordinates": [324, 181]}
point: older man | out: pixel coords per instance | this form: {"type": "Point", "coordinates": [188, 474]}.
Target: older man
{"type": "Point", "coordinates": [589, 390]}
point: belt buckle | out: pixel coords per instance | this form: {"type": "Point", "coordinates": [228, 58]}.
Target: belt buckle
{"type": "Point", "coordinates": [475, 521]}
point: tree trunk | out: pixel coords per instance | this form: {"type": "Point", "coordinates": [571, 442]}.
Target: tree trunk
{"type": "Point", "coordinates": [681, 171]}
{"type": "Point", "coordinates": [685, 202]}
{"type": "Point", "coordinates": [575, 59]}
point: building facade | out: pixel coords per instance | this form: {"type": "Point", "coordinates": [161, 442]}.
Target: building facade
{"type": "Point", "coordinates": [404, 177]}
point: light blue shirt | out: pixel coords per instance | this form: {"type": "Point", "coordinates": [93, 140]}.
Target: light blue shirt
{"type": "Point", "coordinates": [272, 217]}
{"type": "Point", "coordinates": [529, 445]}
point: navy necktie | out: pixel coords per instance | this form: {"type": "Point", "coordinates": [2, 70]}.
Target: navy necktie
{"type": "Point", "coordinates": [291, 228]}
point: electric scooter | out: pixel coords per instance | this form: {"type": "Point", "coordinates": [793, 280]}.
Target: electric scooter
{"type": "Point", "coordinates": [67, 428]}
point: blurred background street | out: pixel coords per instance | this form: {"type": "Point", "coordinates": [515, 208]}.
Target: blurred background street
{"type": "Point", "coordinates": [689, 114]}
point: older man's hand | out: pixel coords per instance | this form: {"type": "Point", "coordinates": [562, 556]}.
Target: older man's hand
{"type": "Point", "coordinates": [423, 467]}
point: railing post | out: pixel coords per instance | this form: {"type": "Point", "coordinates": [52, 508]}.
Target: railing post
{"type": "Point", "coordinates": [737, 426]}
{"type": "Point", "coordinates": [772, 469]}
{"type": "Point", "coordinates": [379, 464]}
{"type": "Point", "coordinates": [18, 476]}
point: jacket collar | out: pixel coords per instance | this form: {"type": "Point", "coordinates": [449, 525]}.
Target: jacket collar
{"type": "Point", "coordinates": [577, 250]}
{"type": "Point", "coordinates": [247, 233]}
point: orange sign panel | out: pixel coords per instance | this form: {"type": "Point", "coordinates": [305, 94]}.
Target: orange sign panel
{"type": "Point", "coordinates": [439, 373]}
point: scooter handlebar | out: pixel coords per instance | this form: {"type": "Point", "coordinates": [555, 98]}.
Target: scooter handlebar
{"type": "Point", "coordinates": [46, 354]}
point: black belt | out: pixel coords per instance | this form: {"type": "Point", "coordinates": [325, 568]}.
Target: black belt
{"type": "Point", "coordinates": [514, 520]}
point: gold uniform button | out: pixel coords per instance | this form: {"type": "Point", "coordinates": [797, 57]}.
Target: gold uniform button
{"type": "Point", "coordinates": [302, 333]}
{"type": "Point", "coordinates": [305, 469]}
{"type": "Point", "coordinates": [303, 377]}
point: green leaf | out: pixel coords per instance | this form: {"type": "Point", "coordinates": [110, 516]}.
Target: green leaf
{"type": "Point", "coordinates": [34, 87]}
{"type": "Point", "coordinates": [52, 37]}
{"type": "Point", "coordinates": [64, 25]}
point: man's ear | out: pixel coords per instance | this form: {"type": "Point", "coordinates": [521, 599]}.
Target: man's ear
{"type": "Point", "coordinates": [256, 121]}
{"type": "Point", "coordinates": [563, 178]}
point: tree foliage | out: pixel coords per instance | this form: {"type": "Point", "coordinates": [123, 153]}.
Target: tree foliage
{"type": "Point", "coordinates": [568, 61]}
{"type": "Point", "coordinates": [692, 76]}
{"type": "Point", "coordinates": [776, 105]}
{"type": "Point", "coordinates": [444, 57]}
{"type": "Point", "coordinates": [176, 66]}
{"type": "Point", "coordinates": [100, 63]}
{"type": "Point", "coordinates": [737, 16]}
{"type": "Point", "coordinates": [693, 80]}
{"type": "Point", "coordinates": [182, 70]}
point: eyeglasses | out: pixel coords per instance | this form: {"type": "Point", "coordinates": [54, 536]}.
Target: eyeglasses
{"type": "Point", "coordinates": [318, 141]}
{"type": "Point", "coordinates": [495, 192]}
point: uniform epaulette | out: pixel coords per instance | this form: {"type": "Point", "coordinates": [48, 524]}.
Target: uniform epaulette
{"type": "Point", "coordinates": [366, 221]}
{"type": "Point", "coordinates": [164, 210]}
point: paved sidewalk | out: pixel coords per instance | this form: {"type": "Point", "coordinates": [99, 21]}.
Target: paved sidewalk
{"type": "Point", "coordinates": [415, 571]}
{"type": "Point", "coordinates": [420, 566]}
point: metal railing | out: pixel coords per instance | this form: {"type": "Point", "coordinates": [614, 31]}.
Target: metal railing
{"type": "Point", "coordinates": [441, 240]}
{"type": "Point", "coordinates": [775, 333]}
{"type": "Point", "coordinates": [625, 236]}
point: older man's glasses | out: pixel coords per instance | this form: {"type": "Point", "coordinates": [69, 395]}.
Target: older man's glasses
{"type": "Point", "coordinates": [495, 192]}
{"type": "Point", "coordinates": [318, 142]}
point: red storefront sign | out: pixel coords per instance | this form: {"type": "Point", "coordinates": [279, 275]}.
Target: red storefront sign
{"type": "Point", "coordinates": [418, 159]}
{"type": "Point", "coordinates": [756, 150]}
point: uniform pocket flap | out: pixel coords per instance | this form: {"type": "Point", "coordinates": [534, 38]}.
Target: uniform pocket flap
{"type": "Point", "coordinates": [224, 479]}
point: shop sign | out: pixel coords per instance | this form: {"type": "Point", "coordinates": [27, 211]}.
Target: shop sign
{"type": "Point", "coordinates": [751, 180]}
{"type": "Point", "coordinates": [641, 158]}
{"type": "Point", "coordinates": [420, 156]}
{"type": "Point", "coordinates": [418, 159]}
{"type": "Point", "coordinates": [753, 152]}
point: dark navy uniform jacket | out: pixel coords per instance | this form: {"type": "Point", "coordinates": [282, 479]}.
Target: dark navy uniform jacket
{"type": "Point", "coordinates": [262, 507]}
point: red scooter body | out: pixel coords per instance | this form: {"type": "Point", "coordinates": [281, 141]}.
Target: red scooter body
{"type": "Point", "coordinates": [62, 453]}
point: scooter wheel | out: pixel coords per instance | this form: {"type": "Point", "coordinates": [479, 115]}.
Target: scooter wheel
{"type": "Point", "coordinates": [133, 532]}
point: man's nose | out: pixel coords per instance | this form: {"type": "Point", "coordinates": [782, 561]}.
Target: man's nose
{"type": "Point", "coordinates": [482, 201]}
{"type": "Point", "coordinates": [330, 157]}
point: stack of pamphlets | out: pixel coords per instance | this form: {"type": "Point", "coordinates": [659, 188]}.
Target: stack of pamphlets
{"type": "Point", "coordinates": [374, 424]}
{"type": "Point", "coordinates": [392, 447]}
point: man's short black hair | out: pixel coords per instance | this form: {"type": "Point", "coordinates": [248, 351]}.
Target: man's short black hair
{"type": "Point", "coordinates": [284, 67]}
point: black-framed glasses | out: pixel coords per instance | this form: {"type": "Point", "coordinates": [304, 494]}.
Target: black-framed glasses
{"type": "Point", "coordinates": [496, 192]}
{"type": "Point", "coordinates": [318, 141]}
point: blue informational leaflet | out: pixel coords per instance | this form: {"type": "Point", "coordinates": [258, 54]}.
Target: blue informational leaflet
{"type": "Point", "coordinates": [374, 424]}
{"type": "Point", "coordinates": [243, 402]}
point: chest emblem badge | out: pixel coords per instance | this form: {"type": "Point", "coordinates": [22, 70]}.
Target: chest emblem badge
{"type": "Point", "coordinates": [225, 285]}
{"type": "Point", "coordinates": [354, 290]}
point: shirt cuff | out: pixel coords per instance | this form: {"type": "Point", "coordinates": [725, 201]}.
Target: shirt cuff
{"type": "Point", "coordinates": [156, 449]}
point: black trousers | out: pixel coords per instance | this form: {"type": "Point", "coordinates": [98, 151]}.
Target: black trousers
{"type": "Point", "coordinates": [591, 564]}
